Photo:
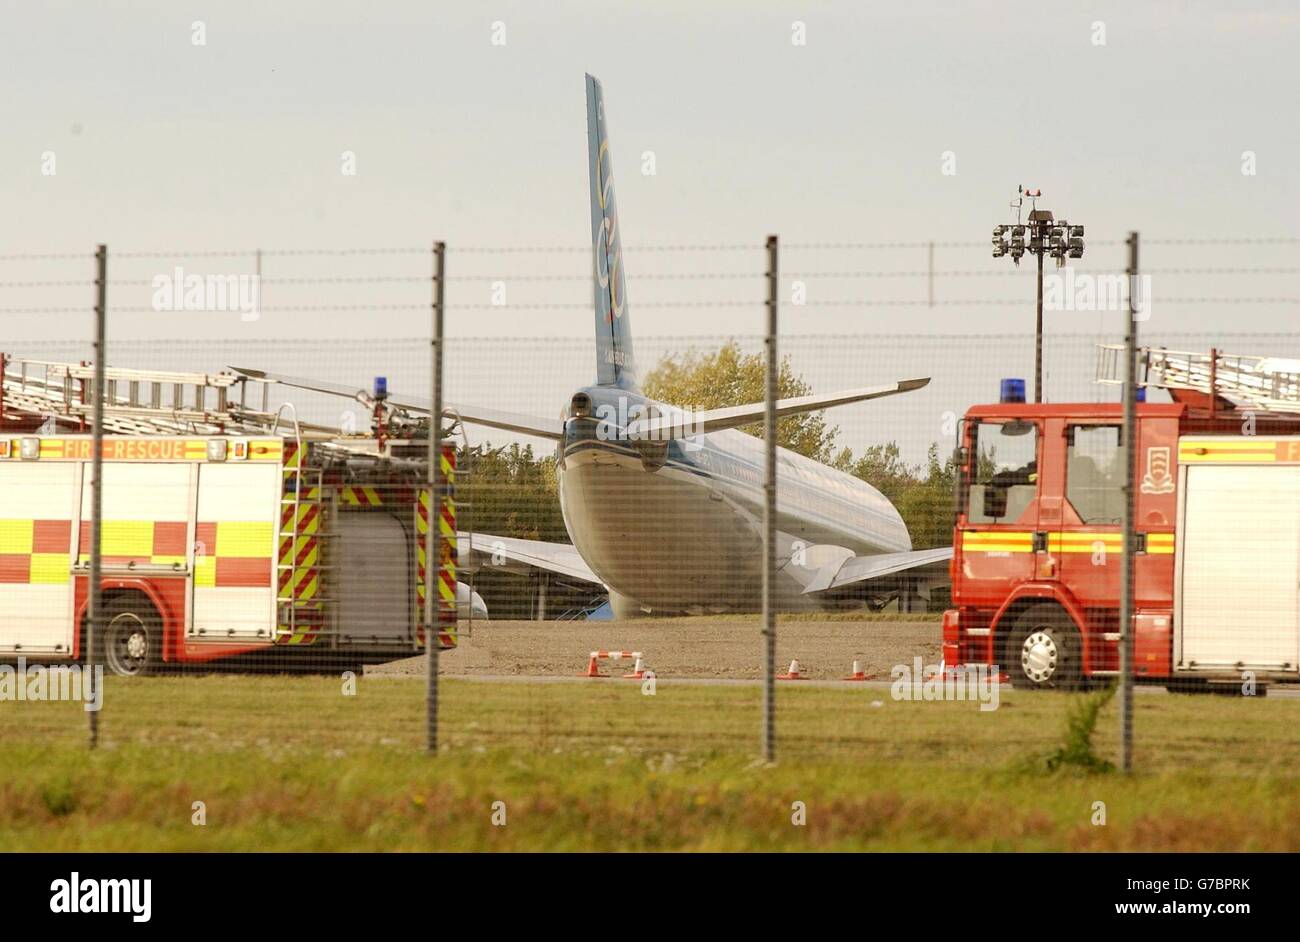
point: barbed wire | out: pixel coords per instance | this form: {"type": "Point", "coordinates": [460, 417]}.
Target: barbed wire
{"type": "Point", "coordinates": [648, 305]}
{"type": "Point", "coordinates": [568, 248]}
{"type": "Point", "coordinates": [352, 279]}
{"type": "Point", "coordinates": [83, 283]}
{"type": "Point", "coordinates": [542, 249]}
{"type": "Point", "coordinates": [47, 256]}
{"type": "Point", "coordinates": [1248, 240]}
{"type": "Point", "coordinates": [671, 276]}
{"type": "Point", "coordinates": [958, 302]}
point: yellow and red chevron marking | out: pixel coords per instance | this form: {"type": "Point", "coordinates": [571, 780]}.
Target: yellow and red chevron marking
{"type": "Point", "coordinates": [421, 537]}
{"type": "Point", "coordinates": [360, 496]}
{"type": "Point", "coordinates": [302, 581]}
{"type": "Point", "coordinates": [307, 625]}
{"type": "Point", "coordinates": [447, 551]}
{"type": "Point", "coordinates": [298, 584]}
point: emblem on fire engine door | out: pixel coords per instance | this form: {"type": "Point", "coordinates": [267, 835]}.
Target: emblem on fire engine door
{"type": "Point", "coordinates": [1158, 480]}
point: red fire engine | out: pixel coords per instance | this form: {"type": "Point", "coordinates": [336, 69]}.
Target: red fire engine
{"type": "Point", "coordinates": [228, 532]}
{"type": "Point", "coordinates": [1037, 542]}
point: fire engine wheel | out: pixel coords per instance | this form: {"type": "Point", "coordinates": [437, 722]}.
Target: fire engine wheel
{"type": "Point", "coordinates": [1043, 651]}
{"type": "Point", "coordinates": [132, 639]}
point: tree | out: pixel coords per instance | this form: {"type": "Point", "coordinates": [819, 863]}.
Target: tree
{"type": "Point", "coordinates": [922, 495]}
{"type": "Point", "coordinates": [882, 467]}
{"type": "Point", "coordinates": [927, 506]}
{"type": "Point", "coordinates": [510, 492]}
{"type": "Point", "coordinates": [730, 377]}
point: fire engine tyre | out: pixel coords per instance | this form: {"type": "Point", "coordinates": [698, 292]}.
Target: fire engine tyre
{"type": "Point", "coordinates": [1043, 650]}
{"type": "Point", "coordinates": [132, 644]}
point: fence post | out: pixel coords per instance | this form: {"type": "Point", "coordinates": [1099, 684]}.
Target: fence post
{"type": "Point", "coordinates": [1130, 537]}
{"type": "Point", "coordinates": [431, 548]}
{"type": "Point", "coordinates": [769, 511]}
{"type": "Point", "coordinates": [94, 601]}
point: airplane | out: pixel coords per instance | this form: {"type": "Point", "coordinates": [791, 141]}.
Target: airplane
{"type": "Point", "coordinates": [664, 505]}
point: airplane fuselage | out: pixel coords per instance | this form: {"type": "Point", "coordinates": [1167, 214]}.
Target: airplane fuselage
{"type": "Point", "coordinates": [676, 525]}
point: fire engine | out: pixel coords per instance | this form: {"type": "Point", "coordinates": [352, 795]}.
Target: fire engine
{"type": "Point", "coordinates": [229, 533]}
{"type": "Point", "coordinates": [1037, 542]}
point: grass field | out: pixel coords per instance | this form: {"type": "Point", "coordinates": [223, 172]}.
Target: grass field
{"type": "Point", "coordinates": [288, 763]}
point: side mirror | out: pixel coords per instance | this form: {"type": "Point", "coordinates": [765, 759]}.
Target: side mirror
{"type": "Point", "coordinates": [995, 502]}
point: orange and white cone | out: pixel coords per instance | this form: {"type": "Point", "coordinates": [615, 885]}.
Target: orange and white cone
{"type": "Point", "coordinates": [857, 673]}
{"type": "Point", "coordinates": [793, 673]}
{"type": "Point", "coordinates": [593, 668]}
{"type": "Point", "coordinates": [638, 671]}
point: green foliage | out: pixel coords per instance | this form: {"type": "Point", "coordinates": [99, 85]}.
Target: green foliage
{"type": "Point", "coordinates": [922, 494]}
{"type": "Point", "coordinates": [508, 491]}
{"type": "Point", "coordinates": [1080, 724]}
{"type": "Point", "coordinates": [59, 796]}
{"type": "Point", "coordinates": [731, 378]}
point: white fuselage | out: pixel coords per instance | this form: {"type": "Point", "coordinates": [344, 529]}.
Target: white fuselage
{"type": "Point", "coordinates": [689, 535]}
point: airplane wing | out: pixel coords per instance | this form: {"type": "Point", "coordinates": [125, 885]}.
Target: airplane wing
{"type": "Point", "coordinates": [516, 555]}
{"type": "Point", "coordinates": [676, 424]}
{"type": "Point", "coordinates": [475, 415]}
{"type": "Point", "coordinates": [931, 564]}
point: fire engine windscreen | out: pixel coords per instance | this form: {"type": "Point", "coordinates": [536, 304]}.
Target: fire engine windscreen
{"type": "Point", "coordinates": [1005, 471]}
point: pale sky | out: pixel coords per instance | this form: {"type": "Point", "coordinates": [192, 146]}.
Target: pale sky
{"type": "Point", "coordinates": [161, 145]}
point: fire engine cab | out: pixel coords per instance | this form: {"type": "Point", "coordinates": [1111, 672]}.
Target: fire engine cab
{"type": "Point", "coordinates": [228, 532]}
{"type": "Point", "coordinates": [1038, 542]}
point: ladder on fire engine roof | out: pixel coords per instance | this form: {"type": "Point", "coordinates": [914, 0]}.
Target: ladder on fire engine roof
{"type": "Point", "coordinates": [141, 402]}
{"type": "Point", "coordinates": [1267, 384]}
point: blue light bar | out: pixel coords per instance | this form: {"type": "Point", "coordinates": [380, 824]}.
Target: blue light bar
{"type": "Point", "coordinates": [381, 387]}
{"type": "Point", "coordinates": [1013, 390]}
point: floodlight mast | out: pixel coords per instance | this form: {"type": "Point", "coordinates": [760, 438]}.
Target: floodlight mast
{"type": "Point", "coordinates": [1042, 236]}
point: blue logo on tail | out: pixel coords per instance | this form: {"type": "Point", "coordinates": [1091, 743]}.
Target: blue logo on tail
{"type": "Point", "coordinates": [615, 363]}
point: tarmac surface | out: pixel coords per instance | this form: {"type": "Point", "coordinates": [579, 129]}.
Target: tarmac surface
{"type": "Point", "coordinates": [697, 650]}
{"type": "Point", "coordinates": [705, 648]}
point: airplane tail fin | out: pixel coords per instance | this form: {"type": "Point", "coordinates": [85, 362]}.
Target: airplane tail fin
{"type": "Point", "coordinates": [615, 363]}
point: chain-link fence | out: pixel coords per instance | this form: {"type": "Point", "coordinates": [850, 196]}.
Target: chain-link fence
{"type": "Point", "coordinates": [266, 522]}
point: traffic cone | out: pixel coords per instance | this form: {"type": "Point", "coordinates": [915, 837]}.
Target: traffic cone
{"type": "Point", "coordinates": [793, 673]}
{"type": "Point", "coordinates": [593, 668]}
{"type": "Point", "coordinates": [638, 671]}
{"type": "Point", "coordinates": [857, 673]}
